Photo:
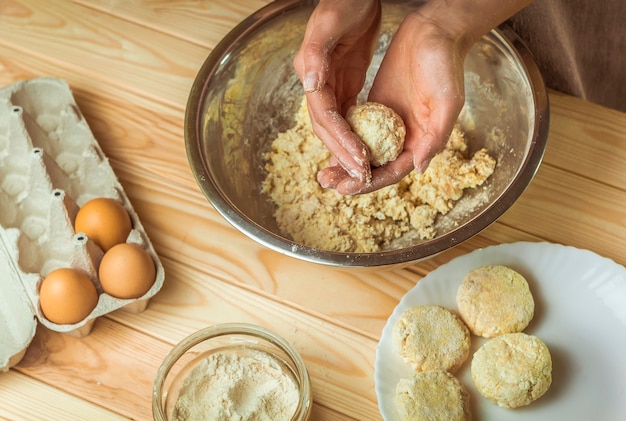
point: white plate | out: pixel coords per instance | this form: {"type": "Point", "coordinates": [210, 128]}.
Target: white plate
{"type": "Point", "coordinates": [580, 313]}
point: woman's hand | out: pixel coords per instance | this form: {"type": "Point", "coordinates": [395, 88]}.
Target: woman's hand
{"type": "Point", "coordinates": [332, 64]}
{"type": "Point", "coordinates": [421, 78]}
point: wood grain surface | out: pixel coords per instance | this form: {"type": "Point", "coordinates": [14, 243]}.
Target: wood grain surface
{"type": "Point", "coordinates": [131, 65]}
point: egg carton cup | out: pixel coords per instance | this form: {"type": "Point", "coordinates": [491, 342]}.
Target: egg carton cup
{"type": "Point", "coordinates": [50, 165]}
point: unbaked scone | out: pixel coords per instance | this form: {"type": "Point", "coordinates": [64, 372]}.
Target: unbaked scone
{"type": "Point", "coordinates": [432, 338]}
{"type": "Point", "coordinates": [380, 128]}
{"type": "Point", "coordinates": [494, 300]}
{"type": "Point", "coordinates": [433, 395]}
{"type": "Point", "coordinates": [512, 370]}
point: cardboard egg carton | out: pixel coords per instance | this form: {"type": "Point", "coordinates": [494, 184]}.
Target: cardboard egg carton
{"type": "Point", "coordinates": [50, 165]}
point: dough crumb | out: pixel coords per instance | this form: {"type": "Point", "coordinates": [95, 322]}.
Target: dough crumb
{"type": "Point", "coordinates": [380, 128]}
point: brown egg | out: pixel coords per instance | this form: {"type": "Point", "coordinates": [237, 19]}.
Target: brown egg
{"type": "Point", "coordinates": [67, 296]}
{"type": "Point", "coordinates": [105, 221]}
{"type": "Point", "coordinates": [126, 271]}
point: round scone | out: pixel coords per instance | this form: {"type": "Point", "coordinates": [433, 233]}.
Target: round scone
{"type": "Point", "coordinates": [493, 300]}
{"type": "Point", "coordinates": [432, 338]}
{"type": "Point", "coordinates": [513, 369]}
{"type": "Point", "coordinates": [432, 395]}
{"type": "Point", "coordinates": [380, 128]}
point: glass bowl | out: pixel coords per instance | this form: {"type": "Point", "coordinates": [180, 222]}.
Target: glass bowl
{"type": "Point", "coordinates": [232, 368]}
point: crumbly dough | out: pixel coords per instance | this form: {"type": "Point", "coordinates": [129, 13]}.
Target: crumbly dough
{"type": "Point", "coordinates": [434, 395]}
{"type": "Point", "coordinates": [432, 337]}
{"type": "Point", "coordinates": [323, 219]}
{"type": "Point", "coordinates": [380, 128]}
{"type": "Point", "coordinates": [494, 300]}
{"type": "Point", "coordinates": [512, 370]}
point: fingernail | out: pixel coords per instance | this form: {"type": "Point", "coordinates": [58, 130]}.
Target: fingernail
{"type": "Point", "coordinates": [310, 82]}
{"type": "Point", "coordinates": [324, 181]}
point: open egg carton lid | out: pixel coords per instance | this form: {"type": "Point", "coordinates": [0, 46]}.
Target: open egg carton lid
{"type": "Point", "coordinates": [50, 165]}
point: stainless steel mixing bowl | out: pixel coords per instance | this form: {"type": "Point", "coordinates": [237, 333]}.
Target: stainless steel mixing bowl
{"type": "Point", "coordinates": [247, 91]}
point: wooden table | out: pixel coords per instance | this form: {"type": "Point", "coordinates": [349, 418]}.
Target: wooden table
{"type": "Point", "coordinates": [131, 66]}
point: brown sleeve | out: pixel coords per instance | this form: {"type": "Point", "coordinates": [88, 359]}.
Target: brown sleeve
{"type": "Point", "coordinates": [580, 46]}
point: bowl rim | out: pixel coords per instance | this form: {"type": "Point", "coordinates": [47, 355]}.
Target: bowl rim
{"type": "Point", "coordinates": [382, 259]}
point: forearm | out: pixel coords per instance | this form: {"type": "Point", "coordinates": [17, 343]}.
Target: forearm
{"type": "Point", "coordinates": [466, 21]}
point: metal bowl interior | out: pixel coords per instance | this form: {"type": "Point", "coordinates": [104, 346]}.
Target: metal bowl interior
{"type": "Point", "coordinates": [247, 91]}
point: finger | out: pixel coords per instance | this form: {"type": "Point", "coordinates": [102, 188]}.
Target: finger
{"type": "Point", "coordinates": [425, 151]}
{"type": "Point", "coordinates": [442, 119]}
{"type": "Point", "coordinates": [313, 64]}
{"type": "Point", "coordinates": [334, 131]}
{"type": "Point", "coordinates": [312, 61]}
{"type": "Point", "coordinates": [348, 151]}
{"type": "Point", "coordinates": [383, 176]}
{"type": "Point", "coordinates": [331, 176]}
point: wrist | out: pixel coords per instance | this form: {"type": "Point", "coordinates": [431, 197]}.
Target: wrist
{"type": "Point", "coordinates": [466, 22]}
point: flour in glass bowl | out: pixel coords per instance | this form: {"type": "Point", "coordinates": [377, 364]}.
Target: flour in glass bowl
{"type": "Point", "coordinates": [237, 387]}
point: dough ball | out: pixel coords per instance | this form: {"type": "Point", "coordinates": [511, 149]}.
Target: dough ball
{"type": "Point", "coordinates": [380, 128]}
{"type": "Point", "coordinates": [434, 395]}
{"type": "Point", "coordinates": [432, 338]}
{"type": "Point", "coordinates": [494, 300]}
{"type": "Point", "coordinates": [512, 370]}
